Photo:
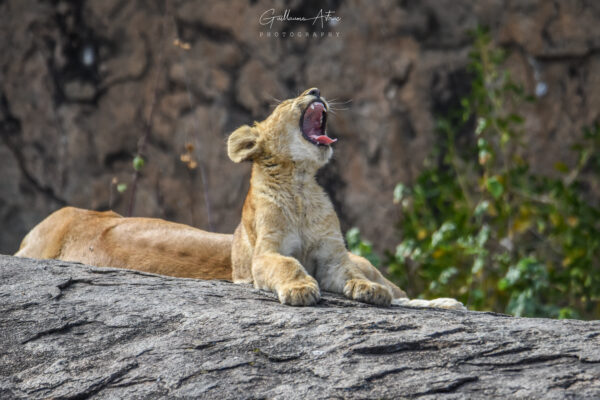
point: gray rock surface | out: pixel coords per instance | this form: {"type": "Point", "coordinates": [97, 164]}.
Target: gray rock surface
{"type": "Point", "coordinates": [70, 331]}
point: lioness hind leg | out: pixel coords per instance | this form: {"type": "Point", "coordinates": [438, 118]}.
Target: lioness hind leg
{"type": "Point", "coordinates": [400, 297]}
{"type": "Point", "coordinates": [367, 291]}
{"type": "Point", "coordinates": [286, 277]}
{"type": "Point", "coordinates": [348, 278]}
{"type": "Point", "coordinates": [373, 274]}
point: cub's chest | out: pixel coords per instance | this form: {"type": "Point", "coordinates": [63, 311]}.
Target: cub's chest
{"type": "Point", "coordinates": [304, 213]}
{"type": "Point", "coordinates": [301, 245]}
{"type": "Point", "coordinates": [303, 228]}
{"type": "Point", "coordinates": [293, 244]}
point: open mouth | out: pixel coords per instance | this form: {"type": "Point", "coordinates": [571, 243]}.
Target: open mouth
{"type": "Point", "coordinates": [313, 123]}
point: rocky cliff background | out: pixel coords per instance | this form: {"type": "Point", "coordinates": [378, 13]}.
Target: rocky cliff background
{"type": "Point", "coordinates": [82, 81]}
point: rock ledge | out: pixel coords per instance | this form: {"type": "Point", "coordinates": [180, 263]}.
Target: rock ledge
{"type": "Point", "coordinates": [73, 331]}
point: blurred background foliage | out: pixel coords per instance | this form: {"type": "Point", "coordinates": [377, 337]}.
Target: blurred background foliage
{"type": "Point", "coordinates": [480, 226]}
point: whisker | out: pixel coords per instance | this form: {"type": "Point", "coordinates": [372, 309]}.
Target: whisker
{"type": "Point", "coordinates": [275, 102]}
{"type": "Point", "coordinates": [335, 101]}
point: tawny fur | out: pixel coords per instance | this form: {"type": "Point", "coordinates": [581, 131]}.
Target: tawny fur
{"type": "Point", "coordinates": [288, 241]}
{"type": "Point", "coordinates": [152, 245]}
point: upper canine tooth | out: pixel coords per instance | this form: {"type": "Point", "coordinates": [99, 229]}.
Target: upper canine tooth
{"type": "Point", "coordinates": [312, 106]}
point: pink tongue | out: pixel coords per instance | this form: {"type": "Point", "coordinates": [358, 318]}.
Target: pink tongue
{"type": "Point", "coordinates": [323, 139]}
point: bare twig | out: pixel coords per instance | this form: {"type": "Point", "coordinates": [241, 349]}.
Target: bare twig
{"type": "Point", "coordinates": [201, 166]}
{"type": "Point", "coordinates": [148, 130]}
{"type": "Point", "coordinates": [113, 184]}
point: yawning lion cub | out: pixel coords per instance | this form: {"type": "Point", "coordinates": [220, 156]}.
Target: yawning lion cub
{"type": "Point", "coordinates": [289, 240]}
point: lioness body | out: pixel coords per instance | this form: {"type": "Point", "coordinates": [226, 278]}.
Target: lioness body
{"type": "Point", "coordinates": [107, 239]}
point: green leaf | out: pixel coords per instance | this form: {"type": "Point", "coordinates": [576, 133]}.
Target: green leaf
{"type": "Point", "coordinates": [361, 247]}
{"type": "Point", "coordinates": [494, 187]}
{"type": "Point", "coordinates": [481, 125]}
{"type": "Point", "coordinates": [477, 295]}
{"type": "Point", "coordinates": [353, 237]}
{"type": "Point", "coordinates": [481, 208]}
{"type": "Point", "coordinates": [436, 238]}
{"type": "Point", "coordinates": [365, 247]}
{"type": "Point", "coordinates": [404, 250]}
{"type": "Point", "coordinates": [561, 167]}
{"type": "Point", "coordinates": [121, 187]}
{"type": "Point", "coordinates": [440, 234]}
{"type": "Point", "coordinates": [484, 157]}
{"type": "Point", "coordinates": [483, 235]}
{"type": "Point", "coordinates": [372, 258]}
{"type": "Point", "coordinates": [516, 118]}
{"type": "Point", "coordinates": [567, 313]}
{"type": "Point", "coordinates": [503, 284]}
{"type": "Point", "coordinates": [477, 265]}
{"type": "Point", "coordinates": [138, 163]}
{"type": "Point", "coordinates": [520, 304]}
{"type": "Point", "coordinates": [399, 192]}
{"type": "Point", "coordinates": [512, 276]}
{"type": "Point", "coordinates": [447, 274]}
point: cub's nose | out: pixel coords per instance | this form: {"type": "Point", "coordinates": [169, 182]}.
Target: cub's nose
{"type": "Point", "coordinates": [314, 92]}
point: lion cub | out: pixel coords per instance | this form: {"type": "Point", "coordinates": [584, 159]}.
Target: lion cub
{"type": "Point", "coordinates": [289, 240]}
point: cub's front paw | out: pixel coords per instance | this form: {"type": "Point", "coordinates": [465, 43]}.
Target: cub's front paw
{"type": "Point", "coordinates": [300, 293]}
{"type": "Point", "coordinates": [368, 292]}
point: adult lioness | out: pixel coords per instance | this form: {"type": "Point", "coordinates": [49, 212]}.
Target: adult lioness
{"type": "Point", "coordinates": [107, 239]}
{"type": "Point", "coordinates": [289, 240]}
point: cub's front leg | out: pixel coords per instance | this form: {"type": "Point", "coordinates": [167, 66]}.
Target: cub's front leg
{"type": "Point", "coordinates": [286, 277]}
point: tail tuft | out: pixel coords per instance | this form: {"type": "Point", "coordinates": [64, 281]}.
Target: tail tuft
{"type": "Point", "coordinates": [442, 302]}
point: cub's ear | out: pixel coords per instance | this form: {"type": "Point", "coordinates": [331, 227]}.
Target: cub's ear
{"type": "Point", "coordinates": [242, 144]}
